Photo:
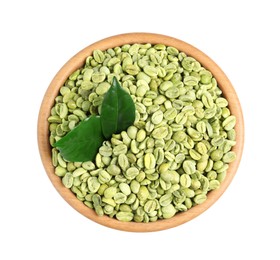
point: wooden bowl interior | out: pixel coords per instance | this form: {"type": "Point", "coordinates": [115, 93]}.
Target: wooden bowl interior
{"type": "Point", "coordinates": [78, 61]}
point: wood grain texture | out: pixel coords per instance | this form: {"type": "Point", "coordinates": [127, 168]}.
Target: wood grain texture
{"type": "Point", "coordinates": [76, 62]}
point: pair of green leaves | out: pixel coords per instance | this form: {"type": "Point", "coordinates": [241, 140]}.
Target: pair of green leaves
{"type": "Point", "coordinates": [117, 114]}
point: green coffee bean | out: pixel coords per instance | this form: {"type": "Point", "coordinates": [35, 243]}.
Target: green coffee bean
{"type": "Point", "coordinates": [195, 135]}
{"type": "Point", "coordinates": [202, 163]}
{"type": "Point", "coordinates": [124, 216]}
{"type": "Point", "coordinates": [123, 161]}
{"type": "Point", "coordinates": [108, 209]}
{"type": "Point", "coordinates": [170, 114]}
{"type": "Point", "coordinates": [74, 75]}
{"type": "Point", "coordinates": [79, 172]}
{"type": "Point", "coordinates": [149, 161]}
{"type": "Point", "coordinates": [132, 69]}
{"type": "Point", "coordinates": [229, 123]}
{"type": "Point", "coordinates": [218, 165]}
{"type": "Point", "coordinates": [150, 206]}
{"type": "Point", "coordinates": [60, 161]}
{"type": "Point", "coordinates": [140, 177]}
{"type": "Point", "coordinates": [199, 199]}
{"type": "Point", "coordinates": [214, 184]}
{"type": "Point", "coordinates": [143, 193]}
{"type": "Point", "coordinates": [217, 141]}
{"type": "Point", "coordinates": [221, 176]}
{"type": "Point", "coordinates": [170, 69]}
{"type": "Point", "coordinates": [103, 87]}
{"type": "Point", "coordinates": [125, 189]}
{"type": "Point", "coordinates": [188, 192]}
{"type": "Point", "coordinates": [221, 102]}
{"type": "Point", "coordinates": [170, 145]}
{"type": "Point", "coordinates": [180, 158]}
{"type": "Point", "coordinates": [217, 155]}
{"type": "Point", "coordinates": [157, 117]}
{"type": "Point", "coordinates": [120, 149]}
{"type": "Point", "coordinates": [159, 100]}
{"type": "Point", "coordinates": [54, 157]}
{"type": "Point", "coordinates": [68, 180]}
{"type": "Point", "coordinates": [181, 118]}
{"type": "Point", "coordinates": [166, 199]}
{"type": "Point", "coordinates": [231, 134]}
{"type": "Point", "coordinates": [93, 184]}
{"type": "Point", "coordinates": [169, 156]}
{"type": "Point", "coordinates": [113, 169]}
{"type": "Point", "coordinates": [105, 151]}
{"type": "Point", "coordinates": [109, 193]}
{"type": "Point", "coordinates": [135, 205]}
{"type": "Point", "coordinates": [135, 186]}
{"type": "Point", "coordinates": [159, 155]}
{"type": "Point", "coordinates": [201, 148]}
{"type": "Point", "coordinates": [104, 177]}
{"type": "Point", "coordinates": [134, 147]}
{"type": "Point", "coordinates": [131, 173]}
{"type": "Point", "coordinates": [207, 100]}
{"type": "Point", "coordinates": [201, 127]}
{"type": "Point", "coordinates": [195, 155]}
{"type": "Point", "coordinates": [168, 211]}
{"type": "Point", "coordinates": [98, 77]}
{"type": "Point", "coordinates": [120, 198]}
{"type": "Point", "coordinates": [188, 142]}
{"type": "Point", "coordinates": [125, 208]}
{"type": "Point", "coordinates": [227, 145]}
{"type": "Point", "coordinates": [150, 71]}
{"type": "Point", "coordinates": [189, 167]}
{"type": "Point", "coordinates": [98, 56]}
{"type": "Point", "coordinates": [141, 135]}
{"type": "Point", "coordinates": [185, 180]}
{"type": "Point", "coordinates": [229, 157]}
{"type": "Point", "coordinates": [179, 136]}
{"type": "Point", "coordinates": [160, 132]}
{"type": "Point", "coordinates": [132, 132]}
{"type": "Point", "coordinates": [164, 86]}
{"type": "Point", "coordinates": [172, 92]}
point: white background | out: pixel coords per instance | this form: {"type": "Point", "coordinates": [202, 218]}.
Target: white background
{"type": "Point", "coordinates": [38, 37]}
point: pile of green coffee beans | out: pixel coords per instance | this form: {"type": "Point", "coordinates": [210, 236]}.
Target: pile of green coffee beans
{"type": "Point", "coordinates": [178, 149]}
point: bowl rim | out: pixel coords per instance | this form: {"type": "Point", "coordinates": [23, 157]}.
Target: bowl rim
{"type": "Point", "coordinates": [77, 61]}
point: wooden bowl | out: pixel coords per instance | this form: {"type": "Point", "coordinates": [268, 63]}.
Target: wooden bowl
{"type": "Point", "coordinates": [78, 61]}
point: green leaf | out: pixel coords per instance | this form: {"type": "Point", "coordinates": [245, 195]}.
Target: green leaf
{"type": "Point", "coordinates": [82, 143]}
{"type": "Point", "coordinates": [117, 111]}
{"type": "Point", "coordinates": [117, 114]}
